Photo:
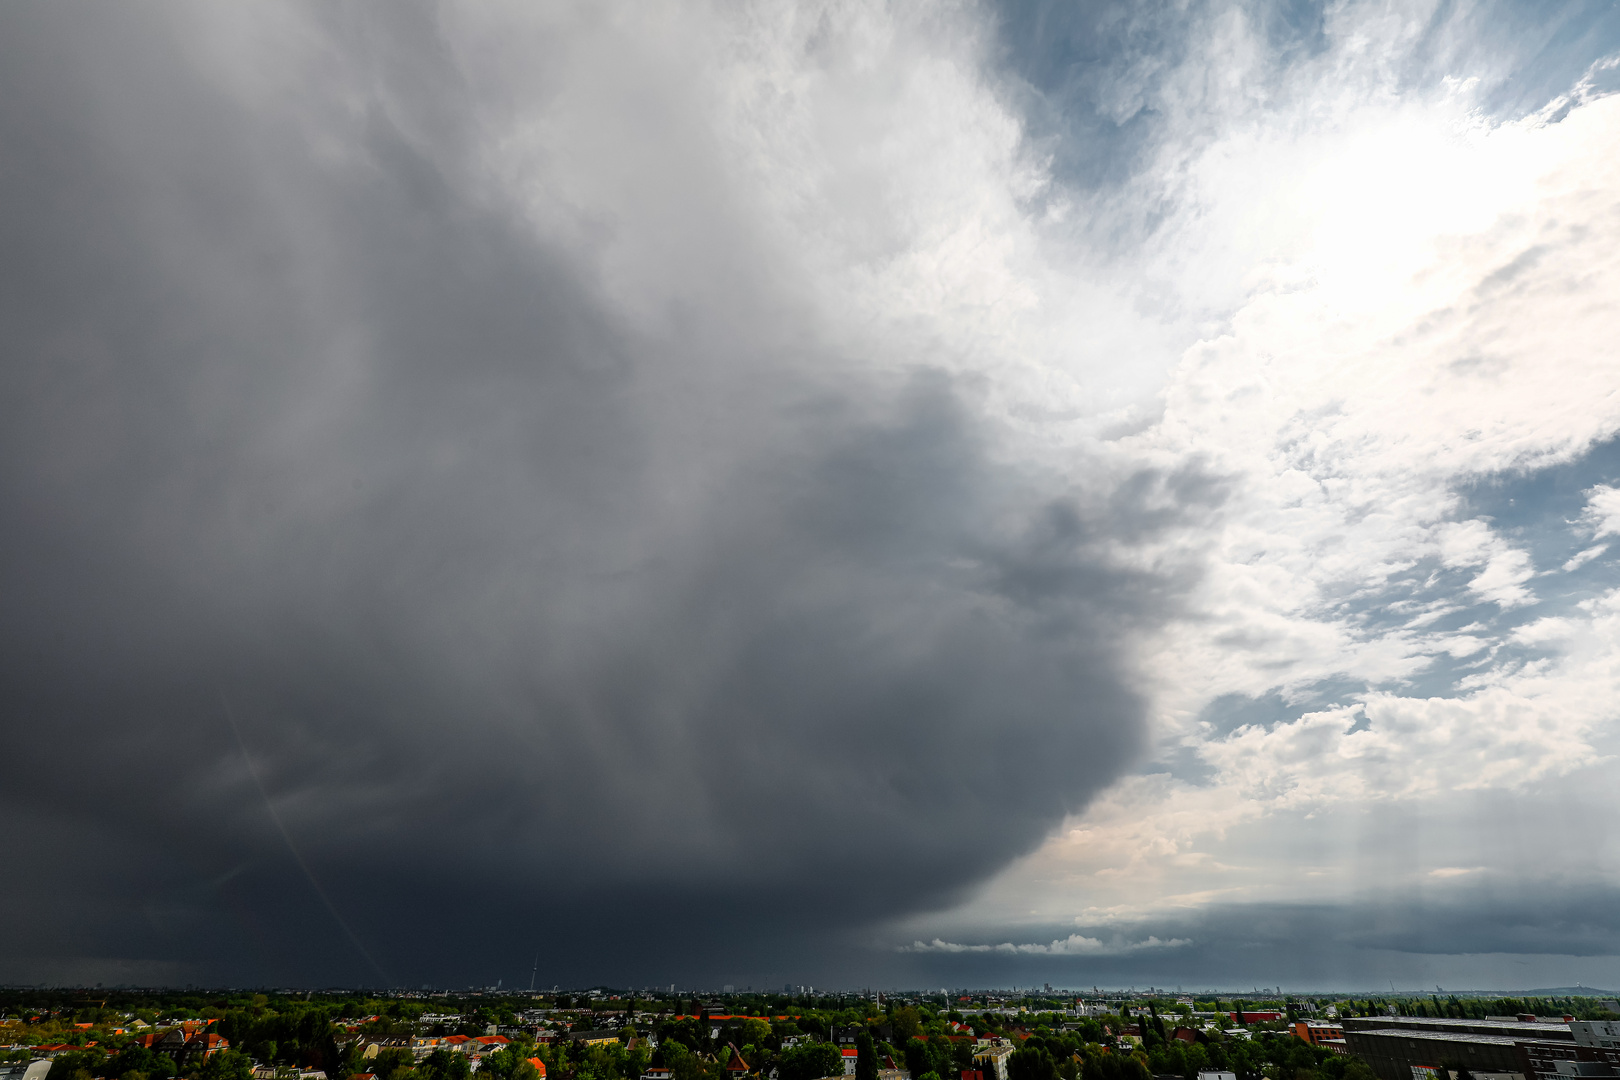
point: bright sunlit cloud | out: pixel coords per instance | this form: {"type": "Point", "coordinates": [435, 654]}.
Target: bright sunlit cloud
{"type": "Point", "coordinates": [1419, 296]}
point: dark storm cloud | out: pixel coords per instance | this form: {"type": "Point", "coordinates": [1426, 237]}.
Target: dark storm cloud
{"type": "Point", "coordinates": [379, 604]}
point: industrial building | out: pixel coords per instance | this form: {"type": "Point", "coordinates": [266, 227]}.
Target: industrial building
{"type": "Point", "coordinates": [1408, 1054]}
{"type": "Point", "coordinates": [1497, 1048]}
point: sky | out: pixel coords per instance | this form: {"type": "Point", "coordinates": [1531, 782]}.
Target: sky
{"type": "Point", "coordinates": [846, 494]}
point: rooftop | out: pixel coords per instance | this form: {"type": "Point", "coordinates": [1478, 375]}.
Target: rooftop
{"type": "Point", "coordinates": [1440, 1036]}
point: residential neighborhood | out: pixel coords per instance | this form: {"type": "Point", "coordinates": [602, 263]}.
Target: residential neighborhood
{"type": "Point", "coordinates": [607, 1035]}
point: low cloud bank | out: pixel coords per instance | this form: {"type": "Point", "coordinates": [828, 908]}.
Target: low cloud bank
{"type": "Point", "coordinates": [1073, 945]}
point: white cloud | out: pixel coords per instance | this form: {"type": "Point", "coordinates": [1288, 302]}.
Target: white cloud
{"type": "Point", "coordinates": [1504, 569]}
{"type": "Point", "coordinates": [861, 152]}
{"type": "Point", "coordinates": [1579, 560]}
{"type": "Point", "coordinates": [1602, 514]}
{"type": "Point", "coordinates": [1073, 945]}
{"type": "Point", "coordinates": [1418, 297]}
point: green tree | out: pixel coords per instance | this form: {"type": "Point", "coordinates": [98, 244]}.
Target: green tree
{"type": "Point", "coordinates": [1197, 1060]}
{"type": "Point", "coordinates": [906, 1023]}
{"type": "Point", "coordinates": [938, 1055]}
{"type": "Point", "coordinates": [136, 1058]}
{"type": "Point", "coordinates": [917, 1059]}
{"type": "Point", "coordinates": [1031, 1063]}
{"type": "Point", "coordinates": [69, 1065]}
{"type": "Point", "coordinates": [230, 1065]}
{"type": "Point", "coordinates": [683, 1064]}
{"type": "Point", "coordinates": [508, 1063]}
{"type": "Point", "coordinates": [392, 1062]}
{"type": "Point", "coordinates": [442, 1064]}
{"type": "Point", "coordinates": [866, 1062]}
{"type": "Point", "coordinates": [342, 1060]}
{"type": "Point", "coordinates": [811, 1061]}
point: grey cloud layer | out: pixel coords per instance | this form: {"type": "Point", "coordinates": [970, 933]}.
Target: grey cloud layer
{"type": "Point", "coordinates": [322, 474]}
{"type": "Point", "coordinates": [1541, 931]}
